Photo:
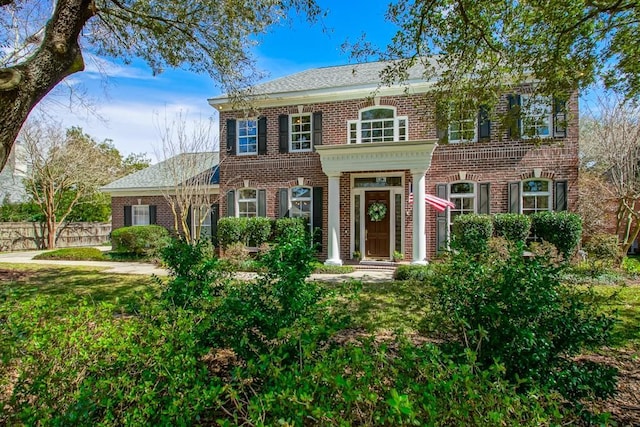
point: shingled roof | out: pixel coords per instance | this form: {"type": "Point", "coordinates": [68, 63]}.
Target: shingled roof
{"type": "Point", "coordinates": [163, 175]}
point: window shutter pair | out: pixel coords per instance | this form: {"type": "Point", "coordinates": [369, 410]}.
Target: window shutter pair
{"type": "Point", "coordinates": [316, 219]}
{"type": "Point", "coordinates": [442, 125]}
{"type": "Point", "coordinates": [128, 217]}
{"type": "Point", "coordinates": [560, 203]}
{"type": "Point", "coordinates": [232, 136]}
{"type": "Point", "coordinates": [283, 131]}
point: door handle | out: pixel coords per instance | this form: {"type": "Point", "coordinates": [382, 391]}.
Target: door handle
{"type": "Point", "coordinates": [366, 234]}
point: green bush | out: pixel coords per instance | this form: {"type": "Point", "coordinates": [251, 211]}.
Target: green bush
{"type": "Point", "coordinates": [73, 254]}
{"type": "Point", "coordinates": [603, 252]}
{"type": "Point", "coordinates": [420, 273]}
{"type": "Point", "coordinates": [259, 230]}
{"type": "Point", "coordinates": [142, 240]}
{"type": "Point", "coordinates": [472, 232]}
{"type": "Point", "coordinates": [516, 311]}
{"type": "Point", "coordinates": [562, 229]}
{"type": "Point", "coordinates": [232, 230]}
{"type": "Point", "coordinates": [513, 227]}
{"type": "Point", "coordinates": [293, 225]}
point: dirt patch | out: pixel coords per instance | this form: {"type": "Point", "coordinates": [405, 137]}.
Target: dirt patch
{"type": "Point", "coordinates": [13, 275]}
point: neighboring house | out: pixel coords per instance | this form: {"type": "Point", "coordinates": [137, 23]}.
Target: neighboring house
{"type": "Point", "coordinates": [318, 144]}
{"type": "Point", "coordinates": [12, 187]}
{"type": "Point", "coordinates": [141, 198]}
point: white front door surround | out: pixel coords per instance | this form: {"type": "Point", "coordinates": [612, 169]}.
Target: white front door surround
{"type": "Point", "coordinates": [388, 156]}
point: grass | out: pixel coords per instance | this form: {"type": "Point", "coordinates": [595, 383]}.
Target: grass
{"type": "Point", "coordinates": [73, 254]}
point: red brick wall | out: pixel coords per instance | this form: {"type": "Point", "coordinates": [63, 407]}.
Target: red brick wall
{"type": "Point", "coordinates": [164, 217]}
{"type": "Point", "coordinates": [497, 161]}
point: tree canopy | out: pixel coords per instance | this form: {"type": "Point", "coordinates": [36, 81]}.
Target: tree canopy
{"type": "Point", "coordinates": [563, 45]}
{"type": "Point", "coordinates": [42, 41]}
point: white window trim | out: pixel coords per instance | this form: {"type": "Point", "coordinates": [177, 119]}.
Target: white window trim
{"type": "Point", "coordinates": [195, 218]}
{"type": "Point", "coordinates": [473, 195]}
{"type": "Point", "coordinates": [252, 153]}
{"type": "Point", "coordinates": [548, 193]}
{"type": "Point", "coordinates": [133, 214]}
{"type": "Point", "coordinates": [463, 141]}
{"type": "Point", "coordinates": [309, 199]}
{"type": "Point", "coordinates": [305, 150]}
{"type": "Point", "coordinates": [396, 125]}
{"type": "Point", "coordinates": [239, 200]}
{"type": "Point", "coordinates": [548, 101]}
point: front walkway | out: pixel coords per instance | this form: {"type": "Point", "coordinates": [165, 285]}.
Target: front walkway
{"type": "Point", "coordinates": [26, 257]}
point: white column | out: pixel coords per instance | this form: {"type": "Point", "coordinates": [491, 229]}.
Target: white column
{"type": "Point", "coordinates": [419, 217]}
{"type": "Point", "coordinates": [334, 221]}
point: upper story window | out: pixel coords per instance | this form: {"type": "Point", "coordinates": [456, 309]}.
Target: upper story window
{"type": "Point", "coordinates": [140, 215]}
{"type": "Point", "coordinates": [463, 125]}
{"type": "Point", "coordinates": [536, 116]}
{"type": "Point", "coordinates": [301, 132]}
{"type": "Point", "coordinates": [247, 136]}
{"type": "Point", "coordinates": [247, 202]}
{"type": "Point", "coordinates": [536, 196]}
{"type": "Point", "coordinates": [463, 196]}
{"type": "Point", "coordinates": [378, 124]}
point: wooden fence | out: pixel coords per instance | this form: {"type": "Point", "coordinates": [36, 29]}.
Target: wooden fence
{"type": "Point", "coordinates": [15, 236]}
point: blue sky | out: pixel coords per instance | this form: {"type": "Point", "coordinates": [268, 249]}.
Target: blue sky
{"type": "Point", "coordinates": [132, 102]}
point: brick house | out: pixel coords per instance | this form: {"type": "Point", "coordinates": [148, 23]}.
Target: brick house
{"type": "Point", "coordinates": [141, 197]}
{"type": "Point", "coordinates": [334, 146]}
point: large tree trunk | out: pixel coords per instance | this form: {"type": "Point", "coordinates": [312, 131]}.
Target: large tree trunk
{"type": "Point", "coordinates": [24, 85]}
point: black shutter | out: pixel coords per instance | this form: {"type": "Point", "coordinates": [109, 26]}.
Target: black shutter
{"type": "Point", "coordinates": [262, 135]}
{"type": "Point", "coordinates": [283, 133]}
{"type": "Point", "coordinates": [484, 199]}
{"type": "Point", "coordinates": [514, 197]}
{"type": "Point", "coordinates": [442, 123]}
{"type": "Point", "coordinates": [560, 195]}
{"type": "Point", "coordinates": [316, 222]}
{"type": "Point", "coordinates": [317, 128]}
{"type": "Point", "coordinates": [189, 222]}
{"type": "Point", "coordinates": [231, 136]}
{"type": "Point", "coordinates": [231, 203]}
{"type": "Point", "coordinates": [214, 217]}
{"type": "Point", "coordinates": [262, 202]}
{"type": "Point", "coordinates": [442, 229]}
{"type": "Point", "coordinates": [283, 202]}
{"type": "Point", "coordinates": [559, 118]}
{"type": "Point", "coordinates": [153, 214]}
{"type": "Point", "coordinates": [484, 124]}
{"type": "Point", "coordinates": [514, 122]}
{"type": "Point", "coordinates": [127, 216]}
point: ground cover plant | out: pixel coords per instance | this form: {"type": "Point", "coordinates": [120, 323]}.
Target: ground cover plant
{"type": "Point", "coordinates": [203, 348]}
{"type": "Point", "coordinates": [74, 254]}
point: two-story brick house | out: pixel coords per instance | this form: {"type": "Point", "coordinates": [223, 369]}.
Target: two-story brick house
{"type": "Point", "coordinates": [357, 159]}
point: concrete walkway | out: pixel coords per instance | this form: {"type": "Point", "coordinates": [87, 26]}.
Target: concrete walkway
{"type": "Point", "coordinates": [26, 257]}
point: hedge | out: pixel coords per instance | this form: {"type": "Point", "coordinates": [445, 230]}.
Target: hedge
{"type": "Point", "coordinates": [513, 227]}
{"type": "Point", "coordinates": [472, 232]}
{"type": "Point", "coordinates": [144, 240]}
{"type": "Point", "coordinates": [562, 229]}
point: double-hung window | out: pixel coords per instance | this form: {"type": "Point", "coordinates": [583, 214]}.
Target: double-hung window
{"type": "Point", "coordinates": [536, 196]}
{"type": "Point", "coordinates": [301, 132]}
{"type": "Point", "coordinates": [247, 203]}
{"type": "Point", "coordinates": [301, 203]}
{"type": "Point", "coordinates": [202, 221]}
{"type": "Point", "coordinates": [537, 116]}
{"type": "Point", "coordinates": [140, 215]}
{"type": "Point", "coordinates": [463, 196]}
{"type": "Point", "coordinates": [463, 124]}
{"type": "Point", "coordinates": [247, 136]}
{"type": "Point", "coordinates": [378, 124]}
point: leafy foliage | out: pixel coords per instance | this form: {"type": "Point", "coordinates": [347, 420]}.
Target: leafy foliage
{"type": "Point", "coordinates": [472, 232]}
{"type": "Point", "coordinates": [143, 240]}
{"type": "Point", "coordinates": [515, 310]}
{"type": "Point", "coordinates": [513, 227]}
{"type": "Point", "coordinates": [562, 229]}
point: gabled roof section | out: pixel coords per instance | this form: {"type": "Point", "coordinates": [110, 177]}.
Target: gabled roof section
{"type": "Point", "coordinates": [168, 173]}
{"type": "Point", "coordinates": [345, 80]}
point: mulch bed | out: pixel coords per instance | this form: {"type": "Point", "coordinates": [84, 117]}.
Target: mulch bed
{"type": "Point", "coordinates": [12, 275]}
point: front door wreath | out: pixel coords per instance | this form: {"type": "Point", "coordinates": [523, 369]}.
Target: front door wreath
{"type": "Point", "coordinates": [377, 211]}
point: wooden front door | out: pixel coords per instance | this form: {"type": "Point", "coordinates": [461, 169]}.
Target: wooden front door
{"type": "Point", "coordinates": [377, 232]}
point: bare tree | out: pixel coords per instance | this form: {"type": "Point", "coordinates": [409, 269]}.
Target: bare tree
{"type": "Point", "coordinates": [190, 165]}
{"type": "Point", "coordinates": [610, 148]}
{"type": "Point", "coordinates": [64, 167]}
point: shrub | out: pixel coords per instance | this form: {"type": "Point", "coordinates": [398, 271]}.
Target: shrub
{"type": "Point", "coordinates": [73, 254]}
{"type": "Point", "coordinates": [562, 229]}
{"type": "Point", "coordinates": [232, 230]}
{"type": "Point", "coordinates": [293, 225]}
{"type": "Point", "coordinates": [420, 273]}
{"type": "Point", "coordinates": [142, 240]}
{"type": "Point", "coordinates": [603, 252]}
{"type": "Point", "coordinates": [259, 230]}
{"type": "Point", "coordinates": [515, 310]}
{"type": "Point", "coordinates": [513, 227]}
{"type": "Point", "coordinates": [472, 232]}
{"type": "Point", "coordinates": [236, 253]}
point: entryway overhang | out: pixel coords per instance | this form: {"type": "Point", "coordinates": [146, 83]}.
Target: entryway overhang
{"type": "Point", "coordinates": [400, 155]}
{"type": "Point", "coordinates": [379, 156]}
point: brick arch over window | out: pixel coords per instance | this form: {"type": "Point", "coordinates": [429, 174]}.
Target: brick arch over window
{"type": "Point", "coordinates": [455, 177]}
{"type": "Point", "coordinates": [548, 175]}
